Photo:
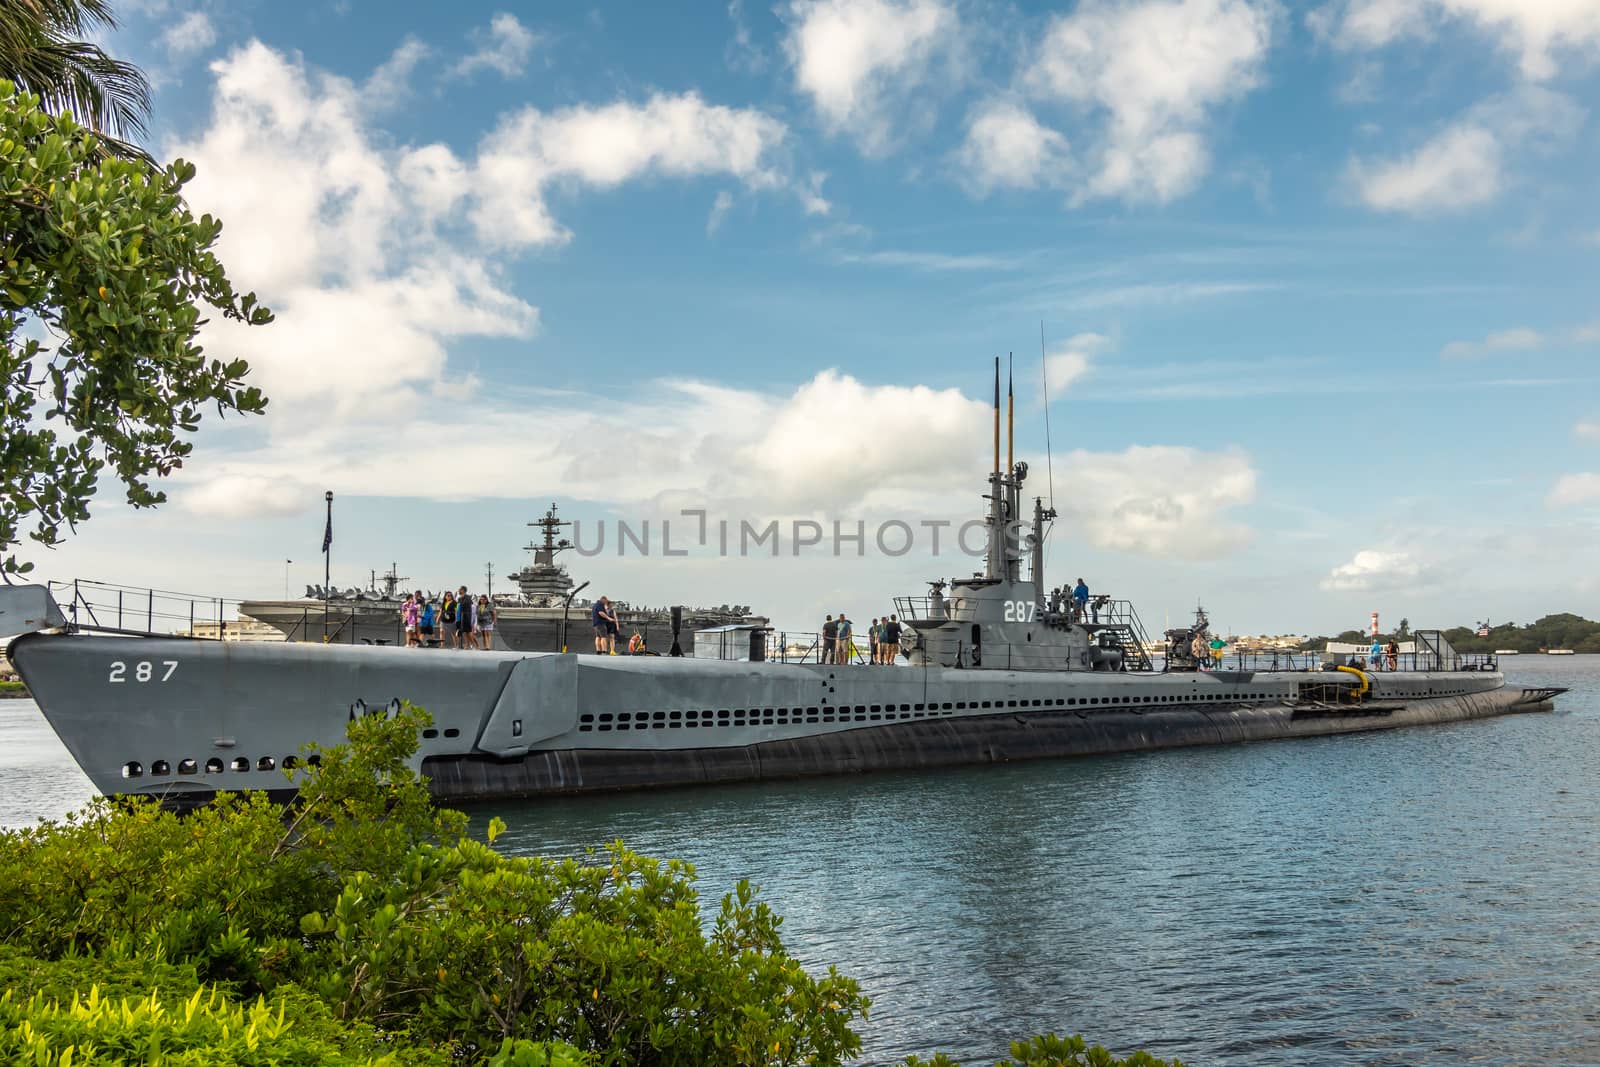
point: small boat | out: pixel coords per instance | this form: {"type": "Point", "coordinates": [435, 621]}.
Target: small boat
{"type": "Point", "coordinates": [1507, 652]}
{"type": "Point", "coordinates": [1559, 652]}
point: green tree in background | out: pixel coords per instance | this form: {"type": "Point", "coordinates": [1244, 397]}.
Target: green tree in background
{"type": "Point", "coordinates": [42, 51]}
{"type": "Point", "coordinates": [107, 276]}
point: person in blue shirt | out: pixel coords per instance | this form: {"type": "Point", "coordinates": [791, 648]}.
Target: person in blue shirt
{"type": "Point", "coordinates": [427, 623]}
{"type": "Point", "coordinates": [1080, 594]}
{"type": "Point", "coordinates": [1375, 655]}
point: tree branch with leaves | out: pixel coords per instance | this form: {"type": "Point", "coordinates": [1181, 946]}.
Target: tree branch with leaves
{"type": "Point", "coordinates": [107, 276]}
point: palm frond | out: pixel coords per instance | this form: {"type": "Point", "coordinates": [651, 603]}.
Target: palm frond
{"type": "Point", "coordinates": [106, 94]}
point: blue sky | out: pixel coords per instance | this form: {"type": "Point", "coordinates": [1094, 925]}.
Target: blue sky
{"type": "Point", "coordinates": [1318, 284]}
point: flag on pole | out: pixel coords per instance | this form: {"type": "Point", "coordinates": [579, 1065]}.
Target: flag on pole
{"type": "Point", "coordinates": [327, 535]}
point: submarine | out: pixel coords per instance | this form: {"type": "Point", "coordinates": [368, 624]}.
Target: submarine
{"type": "Point", "coordinates": [997, 669]}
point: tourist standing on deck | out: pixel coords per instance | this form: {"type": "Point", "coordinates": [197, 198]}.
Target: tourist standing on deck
{"type": "Point", "coordinates": [426, 629]}
{"type": "Point", "coordinates": [464, 620]}
{"type": "Point", "coordinates": [613, 627]}
{"type": "Point", "coordinates": [830, 634]}
{"type": "Point", "coordinates": [1375, 655]}
{"type": "Point", "coordinates": [1217, 646]}
{"type": "Point", "coordinates": [1394, 654]}
{"type": "Point", "coordinates": [872, 642]}
{"type": "Point", "coordinates": [1080, 598]}
{"type": "Point", "coordinates": [409, 616]}
{"type": "Point", "coordinates": [847, 645]}
{"type": "Point", "coordinates": [485, 623]}
{"type": "Point", "coordinates": [597, 617]}
{"type": "Point", "coordinates": [891, 640]}
{"type": "Point", "coordinates": [447, 620]}
{"type": "Point", "coordinates": [1200, 650]}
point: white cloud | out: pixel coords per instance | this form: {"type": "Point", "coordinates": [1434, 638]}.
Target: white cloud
{"type": "Point", "coordinates": [1152, 71]}
{"type": "Point", "coordinates": [1469, 162]}
{"type": "Point", "coordinates": [1587, 431]}
{"type": "Point", "coordinates": [931, 261]}
{"type": "Point", "coordinates": [1073, 360]}
{"type": "Point", "coordinates": [1535, 31]}
{"type": "Point", "coordinates": [1160, 501]}
{"type": "Point", "coordinates": [365, 251]}
{"type": "Point", "coordinates": [740, 452]}
{"type": "Point", "coordinates": [1006, 146]}
{"type": "Point", "coordinates": [1521, 339]}
{"type": "Point", "coordinates": [1374, 568]}
{"type": "Point", "coordinates": [675, 136]}
{"type": "Point", "coordinates": [1573, 489]}
{"type": "Point", "coordinates": [190, 34]}
{"type": "Point", "coordinates": [860, 60]}
{"type": "Point", "coordinates": [391, 82]}
{"type": "Point", "coordinates": [720, 206]}
{"type": "Point", "coordinates": [503, 47]}
{"type": "Point", "coordinates": [244, 496]}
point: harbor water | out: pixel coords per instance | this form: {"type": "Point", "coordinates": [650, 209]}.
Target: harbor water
{"type": "Point", "coordinates": [1418, 896]}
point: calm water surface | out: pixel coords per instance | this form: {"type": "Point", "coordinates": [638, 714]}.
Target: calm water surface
{"type": "Point", "coordinates": [1419, 896]}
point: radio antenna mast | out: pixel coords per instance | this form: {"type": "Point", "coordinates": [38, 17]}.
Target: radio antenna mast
{"type": "Point", "coordinates": [1044, 375]}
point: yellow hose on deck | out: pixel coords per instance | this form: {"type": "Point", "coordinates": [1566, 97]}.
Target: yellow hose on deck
{"type": "Point", "coordinates": [1366, 683]}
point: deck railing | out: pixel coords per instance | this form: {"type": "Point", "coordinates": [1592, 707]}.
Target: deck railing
{"type": "Point", "coordinates": [108, 607]}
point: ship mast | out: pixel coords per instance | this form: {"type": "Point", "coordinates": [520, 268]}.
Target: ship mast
{"type": "Point", "coordinates": [545, 554]}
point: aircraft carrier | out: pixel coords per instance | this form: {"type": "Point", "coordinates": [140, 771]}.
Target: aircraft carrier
{"type": "Point", "coordinates": [544, 615]}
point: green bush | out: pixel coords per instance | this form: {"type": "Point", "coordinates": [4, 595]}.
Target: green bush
{"type": "Point", "coordinates": [206, 1030]}
{"type": "Point", "coordinates": [1049, 1050]}
{"type": "Point", "coordinates": [364, 894]}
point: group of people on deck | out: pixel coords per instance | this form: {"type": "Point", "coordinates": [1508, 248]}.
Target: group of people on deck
{"type": "Point", "coordinates": [456, 621]}
{"type": "Point", "coordinates": [1077, 599]}
{"type": "Point", "coordinates": [837, 641]}
{"type": "Point", "coordinates": [1383, 658]}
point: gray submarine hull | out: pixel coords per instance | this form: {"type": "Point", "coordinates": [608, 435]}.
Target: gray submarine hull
{"type": "Point", "coordinates": [942, 743]}
{"type": "Point", "coordinates": [182, 719]}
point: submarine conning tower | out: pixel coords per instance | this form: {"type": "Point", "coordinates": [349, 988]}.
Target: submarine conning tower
{"type": "Point", "coordinates": [997, 619]}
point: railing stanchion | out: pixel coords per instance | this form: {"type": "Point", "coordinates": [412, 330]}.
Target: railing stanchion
{"type": "Point", "coordinates": [150, 613]}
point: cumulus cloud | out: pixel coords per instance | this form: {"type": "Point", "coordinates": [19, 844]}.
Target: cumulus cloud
{"type": "Point", "coordinates": [248, 496]}
{"type": "Point", "coordinates": [366, 251]}
{"type": "Point", "coordinates": [1007, 147]}
{"type": "Point", "coordinates": [744, 452]}
{"type": "Point", "coordinates": [1587, 431]}
{"type": "Point", "coordinates": [671, 135]}
{"type": "Point", "coordinates": [861, 60]}
{"type": "Point", "coordinates": [503, 47]}
{"type": "Point", "coordinates": [190, 34]}
{"type": "Point", "coordinates": [1073, 360]}
{"type": "Point", "coordinates": [1155, 500]}
{"type": "Point", "coordinates": [1151, 73]}
{"type": "Point", "coordinates": [1470, 161]}
{"type": "Point", "coordinates": [1534, 31]}
{"type": "Point", "coordinates": [1374, 568]}
{"type": "Point", "coordinates": [1574, 489]}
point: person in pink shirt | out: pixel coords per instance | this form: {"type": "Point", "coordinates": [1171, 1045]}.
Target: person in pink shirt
{"type": "Point", "coordinates": [411, 612]}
